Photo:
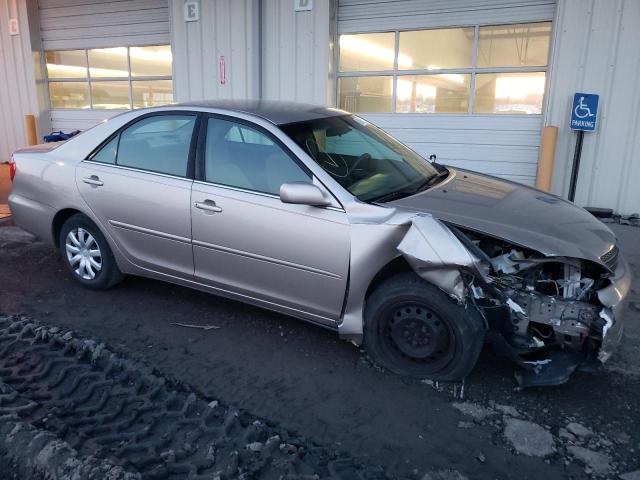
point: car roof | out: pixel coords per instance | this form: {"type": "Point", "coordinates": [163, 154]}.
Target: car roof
{"type": "Point", "coordinates": [276, 112]}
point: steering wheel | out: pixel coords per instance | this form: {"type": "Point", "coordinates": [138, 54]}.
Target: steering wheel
{"type": "Point", "coordinates": [364, 156]}
{"type": "Point", "coordinates": [334, 164]}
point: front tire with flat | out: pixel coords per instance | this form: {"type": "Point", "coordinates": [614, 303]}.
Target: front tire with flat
{"type": "Point", "coordinates": [413, 328]}
{"type": "Point", "coordinates": [87, 255]}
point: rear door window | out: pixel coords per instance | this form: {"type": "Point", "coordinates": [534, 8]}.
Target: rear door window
{"type": "Point", "coordinates": [159, 143]}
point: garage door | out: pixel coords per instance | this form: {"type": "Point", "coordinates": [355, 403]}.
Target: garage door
{"type": "Point", "coordinates": [104, 57]}
{"type": "Point", "coordinates": [462, 79]}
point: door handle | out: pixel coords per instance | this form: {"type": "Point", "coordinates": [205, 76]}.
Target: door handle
{"type": "Point", "coordinates": [93, 180]}
{"type": "Point", "coordinates": [208, 205]}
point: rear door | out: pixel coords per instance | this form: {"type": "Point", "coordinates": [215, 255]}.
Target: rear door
{"type": "Point", "coordinates": [139, 186]}
{"type": "Point", "coordinates": [247, 241]}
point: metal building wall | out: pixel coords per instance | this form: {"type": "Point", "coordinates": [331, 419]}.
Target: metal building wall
{"type": "Point", "coordinates": [227, 28]}
{"type": "Point", "coordinates": [597, 46]}
{"type": "Point", "coordinates": [297, 51]}
{"type": "Point", "coordinates": [21, 89]}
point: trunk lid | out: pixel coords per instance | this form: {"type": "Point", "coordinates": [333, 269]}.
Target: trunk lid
{"type": "Point", "coordinates": [40, 148]}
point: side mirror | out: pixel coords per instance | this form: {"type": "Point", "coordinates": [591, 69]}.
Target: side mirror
{"type": "Point", "coordinates": [302, 193]}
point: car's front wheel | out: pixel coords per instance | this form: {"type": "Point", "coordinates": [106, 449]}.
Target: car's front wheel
{"type": "Point", "coordinates": [86, 253]}
{"type": "Point", "coordinates": [413, 328]}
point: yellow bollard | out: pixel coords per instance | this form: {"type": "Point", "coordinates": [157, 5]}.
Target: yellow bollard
{"type": "Point", "coordinates": [30, 129]}
{"type": "Point", "coordinates": [547, 157]}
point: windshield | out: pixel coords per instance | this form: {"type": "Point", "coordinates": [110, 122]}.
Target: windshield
{"type": "Point", "coordinates": [365, 160]}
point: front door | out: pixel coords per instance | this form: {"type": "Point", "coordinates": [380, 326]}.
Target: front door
{"type": "Point", "coordinates": [247, 241]}
{"type": "Point", "coordinates": [138, 186]}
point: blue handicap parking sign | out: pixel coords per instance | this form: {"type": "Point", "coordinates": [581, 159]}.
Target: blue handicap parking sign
{"type": "Point", "coordinates": [584, 111]}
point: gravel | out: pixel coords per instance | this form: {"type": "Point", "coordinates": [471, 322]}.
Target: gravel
{"type": "Point", "coordinates": [599, 462]}
{"type": "Point", "coordinates": [474, 410]}
{"type": "Point", "coordinates": [579, 430]}
{"type": "Point", "coordinates": [635, 475]}
{"type": "Point", "coordinates": [529, 438]}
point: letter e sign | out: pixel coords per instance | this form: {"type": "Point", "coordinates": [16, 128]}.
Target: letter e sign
{"type": "Point", "coordinates": [191, 11]}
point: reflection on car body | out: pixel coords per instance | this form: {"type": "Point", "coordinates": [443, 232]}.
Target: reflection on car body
{"type": "Point", "coordinates": [316, 213]}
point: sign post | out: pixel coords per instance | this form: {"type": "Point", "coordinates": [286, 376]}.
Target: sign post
{"type": "Point", "coordinates": [584, 114]}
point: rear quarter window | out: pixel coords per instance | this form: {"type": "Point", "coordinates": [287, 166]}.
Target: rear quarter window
{"type": "Point", "coordinates": [107, 154]}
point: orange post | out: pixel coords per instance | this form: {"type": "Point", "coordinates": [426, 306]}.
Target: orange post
{"type": "Point", "coordinates": [30, 129]}
{"type": "Point", "coordinates": [547, 158]}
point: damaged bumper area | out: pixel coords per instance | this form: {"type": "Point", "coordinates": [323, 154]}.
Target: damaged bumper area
{"type": "Point", "coordinates": [551, 315]}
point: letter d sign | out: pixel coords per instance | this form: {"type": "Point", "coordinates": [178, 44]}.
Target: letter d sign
{"type": "Point", "coordinates": [302, 5]}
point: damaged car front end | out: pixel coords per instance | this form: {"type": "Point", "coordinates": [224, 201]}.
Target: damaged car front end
{"type": "Point", "coordinates": [539, 278]}
{"type": "Point", "coordinates": [546, 276]}
{"type": "Point", "coordinates": [551, 315]}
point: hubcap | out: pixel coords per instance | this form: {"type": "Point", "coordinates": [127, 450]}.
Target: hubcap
{"type": "Point", "coordinates": [418, 333]}
{"type": "Point", "coordinates": [83, 253]}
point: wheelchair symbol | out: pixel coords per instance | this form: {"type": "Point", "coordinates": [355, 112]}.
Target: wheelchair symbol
{"type": "Point", "coordinates": [582, 110]}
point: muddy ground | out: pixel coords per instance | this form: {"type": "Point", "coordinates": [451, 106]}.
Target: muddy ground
{"type": "Point", "coordinates": [309, 382]}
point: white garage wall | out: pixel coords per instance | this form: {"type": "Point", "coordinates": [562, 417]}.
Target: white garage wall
{"type": "Point", "coordinates": [68, 24]}
{"type": "Point", "coordinates": [63, 24]}
{"type": "Point", "coordinates": [80, 24]}
{"type": "Point", "coordinates": [70, 120]}
{"type": "Point", "coordinates": [505, 146]}
{"type": "Point", "coordinates": [598, 44]}
{"type": "Point", "coordinates": [21, 86]}
{"type": "Point", "coordinates": [375, 15]}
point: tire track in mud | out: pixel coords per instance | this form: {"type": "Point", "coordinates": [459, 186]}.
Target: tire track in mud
{"type": "Point", "coordinates": [99, 405]}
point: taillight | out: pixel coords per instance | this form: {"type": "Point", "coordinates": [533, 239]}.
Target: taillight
{"type": "Point", "coordinates": [12, 168]}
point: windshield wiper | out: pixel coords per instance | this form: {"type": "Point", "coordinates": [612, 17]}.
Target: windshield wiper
{"type": "Point", "coordinates": [432, 180]}
{"type": "Point", "coordinates": [392, 196]}
{"type": "Point", "coordinates": [405, 193]}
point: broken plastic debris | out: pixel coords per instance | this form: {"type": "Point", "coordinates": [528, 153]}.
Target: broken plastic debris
{"type": "Point", "coordinates": [538, 362]}
{"type": "Point", "coordinates": [201, 327]}
{"type": "Point", "coordinates": [604, 314]}
{"type": "Point", "coordinates": [536, 342]}
{"type": "Point", "coordinates": [515, 307]}
{"type": "Point", "coordinates": [478, 293]}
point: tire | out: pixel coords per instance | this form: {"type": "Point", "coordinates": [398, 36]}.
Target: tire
{"type": "Point", "coordinates": [79, 236]}
{"type": "Point", "coordinates": [413, 328]}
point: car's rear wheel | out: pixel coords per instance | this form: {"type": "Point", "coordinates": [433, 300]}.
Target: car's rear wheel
{"type": "Point", "coordinates": [413, 328]}
{"type": "Point", "coordinates": [87, 255]}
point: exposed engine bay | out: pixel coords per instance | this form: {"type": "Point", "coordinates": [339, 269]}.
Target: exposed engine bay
{"type": "Point", "coordinates": [543, 312]}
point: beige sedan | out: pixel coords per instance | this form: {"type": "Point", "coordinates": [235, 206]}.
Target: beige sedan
{"type": "Point", "coordinates": [318, 214]}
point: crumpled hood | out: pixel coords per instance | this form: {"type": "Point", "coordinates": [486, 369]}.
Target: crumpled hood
{"type": "Point", "coordinates": [514, 212]}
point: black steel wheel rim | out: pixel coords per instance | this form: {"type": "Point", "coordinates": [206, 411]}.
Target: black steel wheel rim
{"type": "Point", "coordinates": [416, 334]}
